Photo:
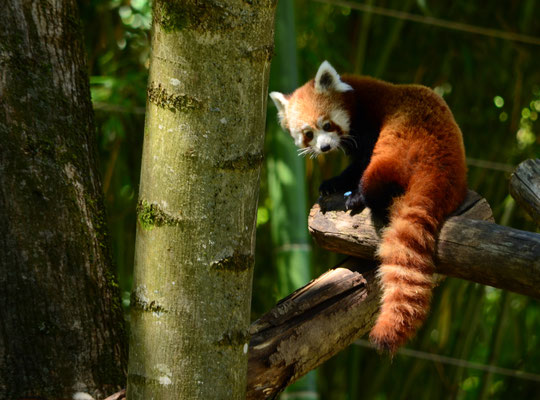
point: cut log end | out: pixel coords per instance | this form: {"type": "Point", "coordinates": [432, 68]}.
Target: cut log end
{"type": "Point", "coordinates": [525, 187]}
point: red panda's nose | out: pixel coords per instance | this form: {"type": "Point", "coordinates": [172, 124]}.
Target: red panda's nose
{"type": "Point", "coordinates": [325, 148]}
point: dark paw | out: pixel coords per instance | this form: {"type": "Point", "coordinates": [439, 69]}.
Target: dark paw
{"type": "Point", "coordinates": [355, 201]}
{"type": "Point", "coordinates": [328, 187]}
{"type": "Point", "coordinates": [335, 185]}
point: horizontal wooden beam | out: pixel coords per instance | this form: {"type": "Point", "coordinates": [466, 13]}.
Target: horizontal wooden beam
{"type": "Point", "coordinates": [479, 251]}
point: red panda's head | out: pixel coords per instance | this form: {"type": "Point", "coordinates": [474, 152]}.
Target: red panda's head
{"type": "Point", "coordinates": [314, 114]}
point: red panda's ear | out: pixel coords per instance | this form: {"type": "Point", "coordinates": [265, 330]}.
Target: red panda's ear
{"type": "Point", "coordinates": [327, 79]}
{"type": "Point", "coordinates": [281, 101]}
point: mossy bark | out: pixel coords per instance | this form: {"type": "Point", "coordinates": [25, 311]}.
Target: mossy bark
{"type": "Point", "coordinates": [198, 198]}
{"type": "Point", "coordinates": [61, 325]}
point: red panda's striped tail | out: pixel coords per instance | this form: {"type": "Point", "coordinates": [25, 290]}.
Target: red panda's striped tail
{"type": "Point", "coordinates": [406, 271]}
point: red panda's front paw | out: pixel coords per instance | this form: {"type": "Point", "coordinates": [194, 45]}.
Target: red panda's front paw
{"type": "Point", "coordinates": [337, 184]}
{"type": "Point", "coordinates": [333, 185]}
{"type": "Point", "coordinates": [355, 202]}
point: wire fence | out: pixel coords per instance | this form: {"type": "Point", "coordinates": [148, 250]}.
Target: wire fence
{"type": "Point", "coordinates": [457, 362]}
{"type": "Point", "coordinates": [427, 20]}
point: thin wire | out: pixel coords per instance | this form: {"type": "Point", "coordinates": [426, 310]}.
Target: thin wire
{"type": "Point", "coordinates": [304, 394]}
{"type": "Point", "coordinates": [293, 247]}
{"type": "Point", "coordinates": [456, 26]}
{"type": "Point", "coordinates": [485, 164]}
{"type": "Point", "coordinates": [459, 362]}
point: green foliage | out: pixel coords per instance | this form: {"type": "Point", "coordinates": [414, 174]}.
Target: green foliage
{"type": "Point", "coordinates": [493, 88]}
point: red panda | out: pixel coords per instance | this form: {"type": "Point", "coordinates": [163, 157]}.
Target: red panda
{"type": "Point", "coordinates": [407, 163]}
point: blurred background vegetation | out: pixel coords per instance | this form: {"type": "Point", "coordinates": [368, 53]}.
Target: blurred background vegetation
{"type": "Point", "coordinates": [493, 87]}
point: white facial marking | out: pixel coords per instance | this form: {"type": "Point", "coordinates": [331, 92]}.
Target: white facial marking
{"type": "Point", "coordinates": [341, 118]}
{"type": "Point", "coordinates": [324, 139]}
{"type": "Point", "coordinates": [298, 139]}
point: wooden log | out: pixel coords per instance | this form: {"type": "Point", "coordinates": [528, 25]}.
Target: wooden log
{"type": "Point", "coordinates": [479, 251]}
{"type": "Point", "coordinates": [525, 187]}
{"type": "Point", "coordinates": [310, 326]}
{"type": "Point", "coordinates": [322, 318]}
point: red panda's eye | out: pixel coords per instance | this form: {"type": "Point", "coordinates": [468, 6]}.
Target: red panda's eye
{"type": "Point", "coordinates": [309, 134]}
{"type": "Point", "coordinates": [327, 127]}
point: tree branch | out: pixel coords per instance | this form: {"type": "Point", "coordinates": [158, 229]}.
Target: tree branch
{"type": "Point", "coordinates": [310, 326]}
{"type": "Point", "coordinates": [479, 251]}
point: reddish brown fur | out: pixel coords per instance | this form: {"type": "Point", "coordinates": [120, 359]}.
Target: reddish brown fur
{"type": "Point", "coordinates": [420, 147]}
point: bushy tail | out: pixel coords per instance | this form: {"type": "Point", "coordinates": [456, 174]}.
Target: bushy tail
{"type": "Point", "coordinates": [406, 271]}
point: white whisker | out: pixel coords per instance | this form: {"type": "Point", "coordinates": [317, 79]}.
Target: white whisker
{"type": "Point", "coordinates": [304, 151]}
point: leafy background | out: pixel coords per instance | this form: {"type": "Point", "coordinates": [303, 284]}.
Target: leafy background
{"type": "Point", "coordinates": [493, 87]}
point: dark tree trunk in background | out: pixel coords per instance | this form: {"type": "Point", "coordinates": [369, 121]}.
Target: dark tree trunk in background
{"type": "Point", "coordinates": [60, 316]}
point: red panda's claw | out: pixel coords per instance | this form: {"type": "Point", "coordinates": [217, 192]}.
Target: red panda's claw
{"type": "Point", "coordinates": [355, 202]}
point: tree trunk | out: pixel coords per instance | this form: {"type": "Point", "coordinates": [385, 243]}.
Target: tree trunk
{"type": "Point", "coordinates": [60, 316]}
{"type": "Point", "coordinates": [201, 163]}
